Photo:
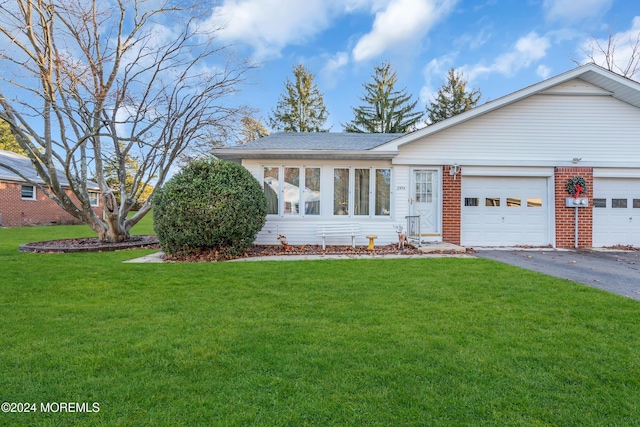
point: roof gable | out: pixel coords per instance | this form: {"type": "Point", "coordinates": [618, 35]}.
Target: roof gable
{"type": "Point", "coordinates": [588, 79]}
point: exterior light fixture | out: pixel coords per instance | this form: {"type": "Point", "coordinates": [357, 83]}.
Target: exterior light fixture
{"type": "Point", "coordinates": [454, 169]}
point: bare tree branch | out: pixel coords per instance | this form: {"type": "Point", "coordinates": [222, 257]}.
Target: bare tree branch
{"type": "Point", "coordinates": [622, 56]}
{"type": "Point", "coordinates": [91, 84]}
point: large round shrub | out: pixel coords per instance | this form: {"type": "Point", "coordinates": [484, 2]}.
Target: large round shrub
{"type": "Point", "coordinates": [210, 204]}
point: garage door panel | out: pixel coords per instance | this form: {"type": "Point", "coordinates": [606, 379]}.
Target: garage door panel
{"type": "Point", "coordinates": [507, 211]}
{"type": "Point", "coordinates": [617, 220]}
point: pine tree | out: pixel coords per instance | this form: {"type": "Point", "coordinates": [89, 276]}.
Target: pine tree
{"type": "Point", "coordinates": [386, 110]}
{"type": "Point", "coordinates": [453, 98]}
{"type": "Point", "coordinates": [301, 107]}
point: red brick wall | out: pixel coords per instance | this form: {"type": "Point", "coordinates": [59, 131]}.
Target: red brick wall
{"type": "Point", "coordinates": [17, 212]}
{"type": "Point", "coordinates": [451, 203]}
{"type": "Point", "coordinates": [565, 216]}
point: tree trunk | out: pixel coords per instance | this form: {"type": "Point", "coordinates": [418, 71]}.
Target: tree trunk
{"type": "Point", "coordinates": [112, 229]}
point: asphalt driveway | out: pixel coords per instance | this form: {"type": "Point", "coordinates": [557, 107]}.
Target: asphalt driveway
{"type": "Point", "coordinates": [616, 272]}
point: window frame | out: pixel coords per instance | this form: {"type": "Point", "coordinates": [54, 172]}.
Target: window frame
{"type": "Point", "coordinates": [302, 206]}
{"type": "Point", "coordinates": [372, 189]}
{"type": "Point", "coordinates": [34, 196]}
{"type": "Point", "coordinates": [97, 198]}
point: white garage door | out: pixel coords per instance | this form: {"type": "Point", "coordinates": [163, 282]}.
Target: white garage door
{"type": "Point", "coordinates": [616, 212]}
{"type": "Point", "coordinates": [505, 211]}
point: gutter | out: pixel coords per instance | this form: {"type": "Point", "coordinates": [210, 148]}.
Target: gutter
{"type": "Point", "coordinates": [239, 154]}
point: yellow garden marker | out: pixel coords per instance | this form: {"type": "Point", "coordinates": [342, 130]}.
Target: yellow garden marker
{"type": "Point", "coordinates": [371, 238]}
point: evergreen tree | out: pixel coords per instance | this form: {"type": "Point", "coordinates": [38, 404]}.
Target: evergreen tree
{"type": "Point", "coordinates": [8, 141]}
{"type": "Point", "coordinates": [386, 110]}
{"type": "Point", "coordinates": [301, 107]}
{"type": "Point", "coordinates": [453, 98]}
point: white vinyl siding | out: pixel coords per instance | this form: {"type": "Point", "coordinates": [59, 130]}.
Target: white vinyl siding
{"type": "Point", "coordinates": [543, 130]}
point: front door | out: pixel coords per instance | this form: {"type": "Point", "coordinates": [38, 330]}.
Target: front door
{"type": "Point", "coordinates": [424, 199]}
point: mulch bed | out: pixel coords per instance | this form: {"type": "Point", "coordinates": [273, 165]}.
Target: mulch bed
{"type": "Point", "coordinates": [89, 244]}
{"type": "Point", "coordinates": [278, 250]}
{"type": "Point", "coordinates": [151, 242]}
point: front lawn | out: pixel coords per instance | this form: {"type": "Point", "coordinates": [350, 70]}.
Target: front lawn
{"type": "Point", "coordinates": [397, 342]}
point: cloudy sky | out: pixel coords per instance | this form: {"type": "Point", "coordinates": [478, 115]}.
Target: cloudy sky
{"type": "Point", "coordinates": [501, 45]}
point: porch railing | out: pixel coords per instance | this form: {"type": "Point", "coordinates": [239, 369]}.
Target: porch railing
{"type": "Point", "coordinates": [413, 229]}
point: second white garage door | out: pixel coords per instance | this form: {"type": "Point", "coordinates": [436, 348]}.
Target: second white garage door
{"type": "Point", "coordinates": [616, 211]}
{"type": "Point", "coordinates": [505, 211]}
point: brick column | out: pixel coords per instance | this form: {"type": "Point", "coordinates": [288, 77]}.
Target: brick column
{"type": "Point", "coordinates": [451, 200]}
{"type": "Point", "coordinates": [565, 216]}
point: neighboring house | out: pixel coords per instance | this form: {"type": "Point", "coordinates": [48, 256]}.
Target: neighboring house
{"type": "Point", "coordinates": [493, 176]}
{"type": "Point", "coordinates": [22, 203]}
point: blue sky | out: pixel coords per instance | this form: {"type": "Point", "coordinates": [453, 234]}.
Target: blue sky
{"type": "Point", "coordinates": [500, 45]}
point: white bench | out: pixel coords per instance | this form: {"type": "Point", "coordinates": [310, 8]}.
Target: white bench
{"type": "Point", "coordinates": [338, 229]}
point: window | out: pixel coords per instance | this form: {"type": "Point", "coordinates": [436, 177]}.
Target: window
{"type": "Point", "coordinates": [513, 202]}
{"type": "Point", "coordinates": [383, 191]}
{"type": "Point", "coordinates": [424, 187]}
{"type": "Point", "coordinates": [93, 198]}
{"type": "Point", "coordinates": [636, 203]}
{"type": "Point", "coordinates": [341, 191]}
{"type": "Point", "coordinates": [290, 188]}
{"type": "Point", "coordinates": [599, 203]}
{"type": "Point", "coordinates": [362, 192]}
{"type": "Point", "coordinates": [362, 196]}
{"type": "Point", "coordinates": [534, 202]}
{"type": "Point", "coordinates": [492, 201]}
{"type": "Point", "coordinates": [312, 191]}
{"type": "Point", "coordinates": [471, 201]}
{"type": "Point", "coordinates": [291, 191]}
{"type": "Point", "coordinates": [28, 192]}
{"type": "Point", "coordinates": [271, 188]}
{"type": "Point", "coordinates": [619, 203]}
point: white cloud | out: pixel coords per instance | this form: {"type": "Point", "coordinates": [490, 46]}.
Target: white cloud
{"type": "Point", "coordinates": [333, 67]}
{"type": "Point", "coordinates": [543, 71]}
{"type": "Point", "coordinates": [527, 50]}
{"type": "Point", "coordinates": [569, 11]}
{"type": "Point", "coordinates": [476, 40]}
{"type": "Point", "coordinates": [435, 74]}
{"type": "Point", "coordinates": [401, 22]}
{"type": "Point", "coordinates": [625, 43]}
{"type": "Point", "coordinates": [270, 25]}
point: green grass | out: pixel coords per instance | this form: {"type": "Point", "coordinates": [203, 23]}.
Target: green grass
{"type": "Point", "coordinates": [325, 343]}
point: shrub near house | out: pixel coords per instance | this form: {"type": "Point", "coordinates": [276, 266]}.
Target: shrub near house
{"type": "Point", "coordinates": [210, 205]}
